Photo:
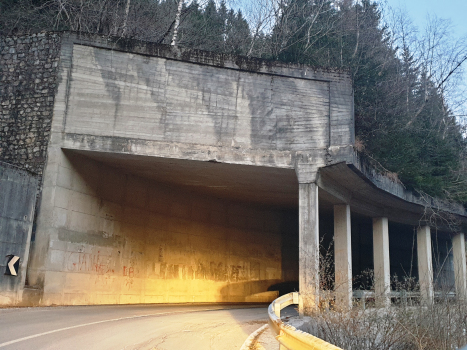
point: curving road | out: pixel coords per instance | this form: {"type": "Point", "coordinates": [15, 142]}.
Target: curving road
{"type": "Point", "coordinates": [155, 327]}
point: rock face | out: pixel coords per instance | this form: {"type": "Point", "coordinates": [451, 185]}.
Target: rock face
{"type": "Point", "coordinates": [28, 80]}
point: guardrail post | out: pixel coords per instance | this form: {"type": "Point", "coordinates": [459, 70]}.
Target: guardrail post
{"type": "Point", "coordinates": [360, 294]}
{"type": "Point", "coordinates": [277, 309]}
{"type": "Point", "coordinates": [296, 298]}
{"type": "Point", "coordinates": [403, 296]}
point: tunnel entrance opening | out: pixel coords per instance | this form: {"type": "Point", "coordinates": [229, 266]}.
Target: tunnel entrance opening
{"type": "Point", "coordinates": [134, 229]}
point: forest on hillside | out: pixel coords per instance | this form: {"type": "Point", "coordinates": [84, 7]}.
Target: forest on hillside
{"type": "Point", "coordinates": [407, 82]}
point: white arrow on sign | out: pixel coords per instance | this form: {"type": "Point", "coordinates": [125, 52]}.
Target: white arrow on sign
{"type": "Point", "coordinates": [11, 265]}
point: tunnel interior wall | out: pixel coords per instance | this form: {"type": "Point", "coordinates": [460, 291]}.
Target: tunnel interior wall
{"type": "Point", "coordinates": [118, 238]}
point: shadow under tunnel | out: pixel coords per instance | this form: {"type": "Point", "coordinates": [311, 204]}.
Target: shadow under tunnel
{"type": "Point", "coordinates": [134, 229]}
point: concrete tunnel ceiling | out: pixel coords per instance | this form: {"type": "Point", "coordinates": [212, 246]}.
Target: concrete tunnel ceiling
{"type": "Point", "coordinates": [269, 186]}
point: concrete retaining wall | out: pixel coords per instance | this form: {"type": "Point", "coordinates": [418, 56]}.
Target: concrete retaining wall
{"type": "Point", "coordinates": [28, 78]}
{"type": "Point", "coordinates": [17, 199]}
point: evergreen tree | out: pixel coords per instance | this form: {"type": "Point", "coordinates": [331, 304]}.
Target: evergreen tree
{"type": "Point", "coordinates": [402, 119]}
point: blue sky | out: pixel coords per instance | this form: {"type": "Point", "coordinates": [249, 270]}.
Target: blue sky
{"type": "Point", "coordinates": [456, 10]}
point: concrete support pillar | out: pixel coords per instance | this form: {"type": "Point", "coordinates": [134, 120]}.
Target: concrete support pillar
{"type": "Point", "coordinates": [342, 256]}
{"type": "Point", "coordinates": [425, 264]}
{"type": "Point", "coordinates": [381, 261]}
{"type": "Point", "coordinates": [460, 274]}
{"type": "Point", "coordinates": [308, 247]}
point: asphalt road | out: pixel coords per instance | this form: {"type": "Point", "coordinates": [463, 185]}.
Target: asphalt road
{"type": "Point", "coordinates": [155, 327]}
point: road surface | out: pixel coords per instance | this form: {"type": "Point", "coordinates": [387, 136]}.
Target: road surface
{"type": "Point", "coordinates": [155, 327]}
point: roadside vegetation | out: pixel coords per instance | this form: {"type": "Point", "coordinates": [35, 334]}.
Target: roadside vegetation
{"type": "Point", "coordinates": [404, 326]}
{"type": "Point", "coordinates": [409, 93]}
{"type": "Point", "coordinates": [409, 323]}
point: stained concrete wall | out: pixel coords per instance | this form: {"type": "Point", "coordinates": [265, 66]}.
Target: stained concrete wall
{"type": "Point", "coordinates": [151, 100]}
{"type": "Point", "coordinates": [126, 95]}
{"type": "Point", "coordinates": [116, 238]}
{"type": "Point", "coordinates": [120, 97]}
{"type": "Point", "coordinates": [18, 191]}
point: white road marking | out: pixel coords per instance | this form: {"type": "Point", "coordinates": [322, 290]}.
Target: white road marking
{"type": "Point", "coordinates": [253, 337]}
{"type": "Point", "coordinates": [98, 322]}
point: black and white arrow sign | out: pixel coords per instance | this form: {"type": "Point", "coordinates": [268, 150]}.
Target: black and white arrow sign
{"type": "Point", "coordinates": [12, 266]}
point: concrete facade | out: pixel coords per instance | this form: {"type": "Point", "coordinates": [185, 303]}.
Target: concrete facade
{"type": "Point", "coordinates": [172, 175]}
{"type": "Point", "coordinates": [18, 190]}
{"type": "Point", "coordinates": [120, 107]}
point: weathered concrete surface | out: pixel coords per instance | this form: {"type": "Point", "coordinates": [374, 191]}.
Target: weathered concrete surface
{"type": "Point", "coordinates": [117, 238]}
{"type": "Point", "coordinates": [199, 153]}
{"type": "Point", "coordinates": [18, 191]}
{"type": "Point", "coordinates": [343, 256]}
{"type": "Point", "coordinates": [460, 265]}
{"type": "Point", "coordinates": [382, 268]}
{"type": "Point", "coordinates": [425, 263]}
{"type": "Point", "coordinates": [308, 247]}
{"type": "Point", "coordinates": [125, 95]}
{"type": "Point", "coordinates": [123, 102]}
{"type": "Point", "coordinates": [143, 101]}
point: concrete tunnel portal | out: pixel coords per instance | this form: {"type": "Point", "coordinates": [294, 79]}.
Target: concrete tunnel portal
{"type": "Point", "coordinates": [174, 176]}
{"type": "Point", "coordinates": [161, 230]}
{"type": "Point", "coordinates": [171, 230]}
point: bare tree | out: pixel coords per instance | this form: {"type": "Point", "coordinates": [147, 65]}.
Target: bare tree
{"type": "Point", "coordinates": [177, 22]}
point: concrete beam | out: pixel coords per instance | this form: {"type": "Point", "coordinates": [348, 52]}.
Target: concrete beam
{"type": "Point", "coordinates": [460, 274]}
{"type": "Point", "coordinates": [425, 264]}
{"type": "Point", "coordinates": [308, 247]}
{"type": "Point", "coordinates": [381, 261]}
{"type": "Point", "coordinates": [342, 256]}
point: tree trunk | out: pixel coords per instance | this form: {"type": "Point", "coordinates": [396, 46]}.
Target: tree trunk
{"type": "Point", "coordinates": [125, 19]}
{"type": "Point", "coordinates": [177, 23]}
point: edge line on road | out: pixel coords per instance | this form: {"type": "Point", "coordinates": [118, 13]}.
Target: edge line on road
{"type": "Point", "coordinates": [102, 321]}
{"type": "Point", "coordinates": [253, 337]}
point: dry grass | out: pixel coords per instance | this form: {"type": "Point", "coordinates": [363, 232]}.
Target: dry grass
{"type": "Point", "coordinates": [441, 326]}
{"type": "Point", "coordinates": [408, 324]}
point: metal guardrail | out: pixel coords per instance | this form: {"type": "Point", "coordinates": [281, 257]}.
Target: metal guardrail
{"type": "Point", "coordinates": [403, 295]}
{"type": "Point", "coordinates": [288, 336]}
{"type": "Point", "coordinates": [292, 339]}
